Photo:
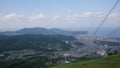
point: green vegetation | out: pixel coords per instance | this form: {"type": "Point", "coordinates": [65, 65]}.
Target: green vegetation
{"type": "Point", "coordinates": [112, 61]}
{"type": "Point", "coordinates": [108, 62]}
{"type": "Point", "coordinates": [33, 62]}
{"type": "Point", "coordinates": [34, 42]}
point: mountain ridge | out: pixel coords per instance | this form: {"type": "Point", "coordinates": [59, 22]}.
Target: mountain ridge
{"type": "Point", "coordinates": [40, 30]}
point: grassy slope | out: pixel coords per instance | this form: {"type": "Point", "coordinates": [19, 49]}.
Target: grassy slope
{"type": "Point", "coordinates": [108, 62]}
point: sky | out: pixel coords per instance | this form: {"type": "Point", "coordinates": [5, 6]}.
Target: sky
{"type": "Point", "coordinates": [64, 14]}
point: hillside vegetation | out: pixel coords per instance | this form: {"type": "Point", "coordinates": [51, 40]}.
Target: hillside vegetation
{"type": "Point", "coordinates": [35, 42]}
{"type": "Point", "coordinates": [33, 62]}
{"type": "Point", "coordinates": [108, 62]}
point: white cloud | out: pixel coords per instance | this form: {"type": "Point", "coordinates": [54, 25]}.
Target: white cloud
{"type": "Point", "coordinates": [56, 17]}
{"type": "Point", "coordinates": [86, 19]}
{"type": "Point", "coordinates": [71, 16]}
{"type": "Point", "coordinates": [9, 16]}
{"type": "Point", "coordinates": [19, 17]}
{"type": "Point", "coordinates": [115, 15]}
{"type": "Point", "coordinates": [37, 17]}
{"type": "Point", "coordinates": [93, 14]}
{"type": "Point", "coordinates": [69, 19]}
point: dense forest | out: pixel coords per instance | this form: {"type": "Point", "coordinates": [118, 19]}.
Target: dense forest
{"type": "Point", "coordinates": [36, 42]}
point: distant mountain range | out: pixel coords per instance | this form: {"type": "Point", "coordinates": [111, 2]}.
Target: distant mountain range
{"type": "Point", "coordinates": [39, 30]}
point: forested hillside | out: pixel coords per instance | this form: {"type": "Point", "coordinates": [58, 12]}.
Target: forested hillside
{"type": "Point", "coordinates": [36, 42]}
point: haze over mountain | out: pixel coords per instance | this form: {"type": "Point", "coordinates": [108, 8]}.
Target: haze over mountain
{"type": "Point", "coordinates": [40, 30]}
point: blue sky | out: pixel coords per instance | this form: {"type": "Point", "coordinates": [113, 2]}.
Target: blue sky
{"type": "Point", "coordinates": [65, 14]}
{"type": "Point", "coordinates": [54, 6]}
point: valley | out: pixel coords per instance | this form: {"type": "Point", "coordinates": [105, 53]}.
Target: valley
{"type": "Point", "coordinates": [55, 48]}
